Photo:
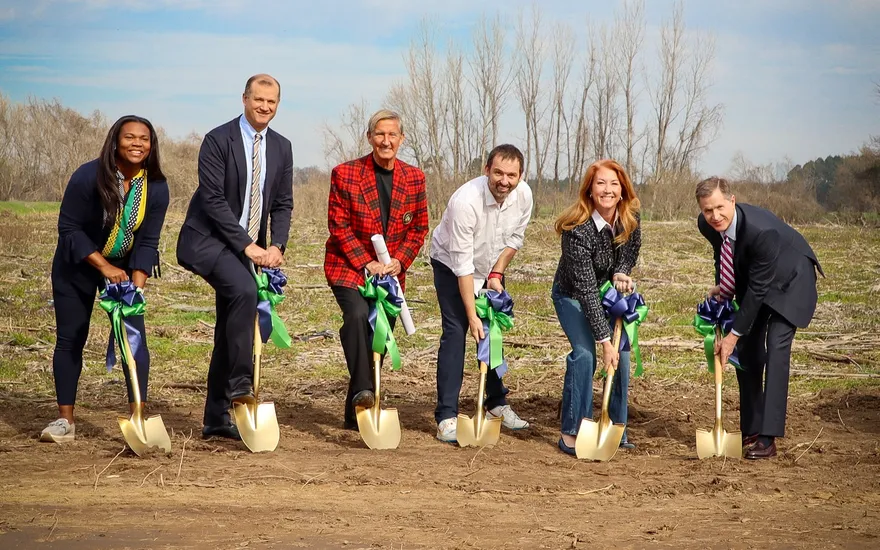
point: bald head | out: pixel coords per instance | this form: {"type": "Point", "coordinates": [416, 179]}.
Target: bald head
{"type": "Point", "coordinates": [264, 80]}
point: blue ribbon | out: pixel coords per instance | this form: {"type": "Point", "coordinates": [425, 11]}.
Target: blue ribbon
{"type": "Point", "coordinates": [502, 303]}
{"type": "Point", "coordinates": [721, 314]}
{"type": "Point", "coordinates": [632, 310]}
{"type": "Point", "coordinates": [384, 296]}
{"type": "Point", "coordinates": [125, 298]}
{"type": "Point", "coordinates": [276, 280]}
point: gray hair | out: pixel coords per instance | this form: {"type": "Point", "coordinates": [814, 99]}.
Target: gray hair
{"type": "Point", "coordinates": [383, 114]}
{"type": "Point", "coordinates": [708, 186]}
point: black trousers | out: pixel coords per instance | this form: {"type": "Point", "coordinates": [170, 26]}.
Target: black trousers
{"type": "Point", "coordinates": [73, 310]}
{"type": "Point", "coordinates": [232, 361]}
{"type": "Point", "coordinates": [765, 350]}
{"type": "Point", "coordinates": [450, 356]}
{"type": "Point", "coordinates": [356, 337]}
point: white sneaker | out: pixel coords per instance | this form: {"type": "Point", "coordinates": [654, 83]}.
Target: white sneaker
{"type": "Point", "coordinates": [58, 431]}
{"type": "Point", "coordinates": [446, 430]}
{"type": "Point", "coordinates": [509, 419]}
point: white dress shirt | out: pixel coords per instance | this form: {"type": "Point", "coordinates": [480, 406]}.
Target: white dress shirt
{"type": "Point", "coordinates": [475, 229]}
{"type": "Point", "coordinates": [248, 133]}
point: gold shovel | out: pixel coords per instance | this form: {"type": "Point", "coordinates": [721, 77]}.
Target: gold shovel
{"type": "Point", "coordinates": [478, 431]}
{"type": "Point", "coordinates": [718, 442]}
{"type": "Point", "coordinates": [600, 440]}
{"type": "Point", "coordinates": [257, 422]}
{"type": "Point", "coordinates": [380, 429]}
{"type": "Point", "coordinates": [141, 433]}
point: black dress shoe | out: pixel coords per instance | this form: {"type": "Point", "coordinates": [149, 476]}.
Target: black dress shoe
{"type": "Point", "coordinates": [759, 450]}
{"type": "Point", "coordinates": [350, 425]}
{"type": "Point", "coordinates": [749, 440]}
{"type": "Point", "coordinates": [363, 398]}
{"type": "Point", "coordinates": [229, 431]}
{"type": "Point", "coordinates": [244, 396]}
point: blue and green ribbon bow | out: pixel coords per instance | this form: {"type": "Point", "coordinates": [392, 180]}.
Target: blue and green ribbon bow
{"type": "Point", "coordinates": [496, 310]}
{"type": "Point", "coordinates": [383, 294]}
{"type": "Point", "coordinates": [122, 301]}
{"type": "Point", "coordinates": [632, 309]}
{"type": "Point", "coordinates": [711, 314]}
{"type": "Point", "coordinates": [270, 293]}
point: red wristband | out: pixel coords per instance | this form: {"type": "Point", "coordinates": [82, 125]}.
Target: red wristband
{"type": "Point", "coordinates": [495, 275]}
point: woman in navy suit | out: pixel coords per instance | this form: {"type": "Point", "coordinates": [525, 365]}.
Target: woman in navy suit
{"type": "Point", "coordinates": [108, 229]}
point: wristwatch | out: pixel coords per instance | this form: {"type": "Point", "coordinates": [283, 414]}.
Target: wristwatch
{"type": "Point", "coordinates": [280, 246]}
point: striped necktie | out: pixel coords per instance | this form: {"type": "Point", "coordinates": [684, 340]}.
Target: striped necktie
{"type": "Point", "coordinates": [256, 196]}
{"type": "Point", "coordinates": [728, 281]}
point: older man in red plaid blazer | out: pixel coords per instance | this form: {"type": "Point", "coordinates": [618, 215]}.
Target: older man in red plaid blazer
{"type": "Point", "coordinates": [375, 194]}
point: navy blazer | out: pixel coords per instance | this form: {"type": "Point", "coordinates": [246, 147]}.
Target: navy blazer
{"type": "Point", "coordinates": [772, 263]}
{"type": "Point", "coordinates": [81, 229]}
{"type": "Point", "coordinates": [211, 223]}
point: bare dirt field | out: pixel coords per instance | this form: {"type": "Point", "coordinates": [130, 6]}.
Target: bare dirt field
{"type": "Point", "coordinates": [323, 488]}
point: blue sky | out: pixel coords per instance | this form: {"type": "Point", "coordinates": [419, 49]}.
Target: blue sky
{"type": "Point", "coordinates": [796, 78]}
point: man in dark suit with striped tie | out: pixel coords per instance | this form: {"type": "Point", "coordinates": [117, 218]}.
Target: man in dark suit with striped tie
{"type": "Point", "coordinates": [770, 269]}
{"type": "Point", "coordinates": [245, 178]}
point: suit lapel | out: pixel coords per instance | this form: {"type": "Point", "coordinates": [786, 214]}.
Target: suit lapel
{"type": "Point", "coordinates": [240, 161]}
{"type": "Point", "coordinates": [398, 197]}
{"type": "Point", "coordinates": [371, 194]}
{"type": "Point", "coordinates": [271, 164]}
{"type": "Point", "coordinates": [740, 244]}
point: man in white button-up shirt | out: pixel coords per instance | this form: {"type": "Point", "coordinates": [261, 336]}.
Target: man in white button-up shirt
{"type": "Point", "coordinates": [482, 228]}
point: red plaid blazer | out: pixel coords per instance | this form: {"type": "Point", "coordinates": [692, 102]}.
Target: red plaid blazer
{"type": "Point", "coordinates": [353, 217]}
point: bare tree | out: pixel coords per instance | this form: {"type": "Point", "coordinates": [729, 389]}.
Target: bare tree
{"type": "Point", "coordinates": [490, 77]}
{"type": "Point", "coordinates": [629, 35]}
{"type": "Point", "coordinates": [563, 55]}
{"type": "Point", "coordinates": [604, 98]}
{"type": "Point", "coordinates": [460, 129]}
{"type": "Point", "coordinates": [578, 113]}
{"type": "Point", "coordinates": [664, 96]}
{"type": "Point", "coordinates": [530, 65]}
{"type": "Point", "coordinates": [427, 95]}
{"type": "Point", "coordinates": [349, 140]}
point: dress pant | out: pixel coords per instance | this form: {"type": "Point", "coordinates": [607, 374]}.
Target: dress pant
{"type": "Point", "coordinates": [450, 356]}
{"type": "Point", "coordinates": [232, 361]}
{"type": "Point", "coordinates": [356, 337]}
{"type": "Point", "coordinates": [765, 349]}
{"type": "Point", "coordinates": [73, 310]}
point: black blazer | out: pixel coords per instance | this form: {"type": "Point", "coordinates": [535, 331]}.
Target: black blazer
{"type": "Point", "coordinates": [773, 264]}
{"type": "Point", "coordinates": [211, 223]}
{"type": "Point", "coordinates": [81, 230]}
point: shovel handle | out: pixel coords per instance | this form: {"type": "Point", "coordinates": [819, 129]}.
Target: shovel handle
{"type": "Point", "coordinates": [258, 353]}
{"type": "Point", "coordinates": [609, 373]}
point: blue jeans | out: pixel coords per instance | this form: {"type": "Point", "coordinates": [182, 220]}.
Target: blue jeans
{"type": "Point", "coordinates": [580, 364]}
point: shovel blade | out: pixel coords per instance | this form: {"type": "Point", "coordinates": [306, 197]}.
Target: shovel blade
{"type": "Point", "coordinates": [258, 426]}
{"type": "Point", "coordinates": [598, 440]}
{"type": "Point", "coordinates": [711, 443]}
{"type": "Point", "coordinates": [153, 434]}
{"type": "Point", "coordinates": [382, 435]}
{"type": "Point", "coordinates": [469, 436]}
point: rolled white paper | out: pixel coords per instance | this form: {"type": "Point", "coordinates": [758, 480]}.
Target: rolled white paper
{"type": "Point", "coordinates": [384, 258]}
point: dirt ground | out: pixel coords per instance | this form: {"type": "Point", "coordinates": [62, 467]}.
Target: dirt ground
{"type": "Point", "coordinates": [323, 489]}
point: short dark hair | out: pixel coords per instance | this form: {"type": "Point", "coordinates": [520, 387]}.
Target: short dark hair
{"type": "Point", "coordinates": [265, 80]}
{"type": "Point", "coordinates": [507, 152]}
{"type": "Point", "coordinates": [708, 186]}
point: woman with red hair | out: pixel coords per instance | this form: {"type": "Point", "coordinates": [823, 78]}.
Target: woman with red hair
{"type": "Point", "coordinates": [601, 239]}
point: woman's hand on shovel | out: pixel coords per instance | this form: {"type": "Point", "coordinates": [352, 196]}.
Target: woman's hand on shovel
{"type": "Point", "coordinates": [610, 356]}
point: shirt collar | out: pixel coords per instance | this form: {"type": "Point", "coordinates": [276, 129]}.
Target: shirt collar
{"type": "Point", "coordinates": [248, 130]}
{"type": "Point", "coordinates": [730, 233]}
{"type": "Point", "coordinates": [600, 221]}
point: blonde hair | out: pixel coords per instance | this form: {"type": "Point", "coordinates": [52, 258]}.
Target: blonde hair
{"type": "Point", "coordinates": [583, 207]}
{"type": "Point", "coordinates": [380, 115]}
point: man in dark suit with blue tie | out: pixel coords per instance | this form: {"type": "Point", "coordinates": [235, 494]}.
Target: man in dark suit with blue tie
{"type": "Point", "coordinates": [771, 271]}
{"type": "Point", "coordinates": [245, 178]}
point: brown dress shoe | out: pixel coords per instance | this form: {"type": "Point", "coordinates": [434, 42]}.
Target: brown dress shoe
{"type": "Point", "coordinates": [749, 440]}
{"type": "Point", "coordinates": [759, 450]}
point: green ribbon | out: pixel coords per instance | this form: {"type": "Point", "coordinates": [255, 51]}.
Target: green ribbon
{"type": "Point", "coordinates": [707, 331]}
{"type": "Point", "coordinates": [118, 311]}
{"type": "Point", "coordinates": [279, 335]}
{"type": "Point", "coordinates": [383, 336]}
{"type": "Point", "coordinates": [498, 322]}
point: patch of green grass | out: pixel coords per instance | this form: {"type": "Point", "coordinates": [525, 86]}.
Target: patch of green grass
{"type": "Point", "coordinates": [20, 207]}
